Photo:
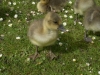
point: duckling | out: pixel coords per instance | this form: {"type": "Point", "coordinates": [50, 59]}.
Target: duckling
{"type": "Point", "coordinates": [57, 5]}
{"type": "Point", "coordinates": [91, 21]}
{"type": "Point", "coordinates": [43, 6]}
{"type": "Point", "coordinates": [80, 6]}
{"type": "Point", "coordinates": [44, 32]}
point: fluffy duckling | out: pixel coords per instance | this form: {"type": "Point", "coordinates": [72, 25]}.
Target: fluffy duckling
{"type": "Point", "coordinates": [91, 21]}
{"type": "Point", "coordinates": [57, 5]}
{"type": "Point", "coordinates": [80, 6]}
{"type": "Point", "coordinates": [43, 6]}
{"type": "Point", "coordinates": [44, 32]}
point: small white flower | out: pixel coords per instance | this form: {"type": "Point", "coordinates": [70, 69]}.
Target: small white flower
{"type": "Point", "coordinates": [63, 9]}
{"type": "Point", "coordinates": [23, 1]}
{"type": "Point", "coordinates": [71, 9]}
{"type": "Point", "coordinates": [62, 32]}
{"type": "Point", "coordinates": [9, 20]}
{"type": "Point", "coordinates": [60, 43]}
{"type": "Point", "coordinates": [2, 35]}
{"type": "Point", "coordinates": [70, 2]}
{"type": "Point", "coordinates": [18, 7]}
{"type": "Point", "coordinates": [19, 2]}
{"type": "Point", "coordinates": [64, 23]}
{"type": "Point", "coordinates": [74, 60]}
{"type": "Point", "coordinates": [66, 11]}
{"type": "Point", "coordinates": [38, 13]}
{"type": "Point", "coordinates": [10, 25]}
{"type": "Point", "coordinates": [33, 2]}
{"type": "Point", "coordinates": [11, 8]}
{"type": "Point", "coordinates": [66, 48]}
{"type": "Point", "coordinates": [9, 3]}
{"type": "Point", "coordinates": [71, 16]}
{"type": "Point", "coordinates": [67, 30]}
{"type": "Point", "coordinates": [28, 59]}
{"type": "Point", "coordinates": [26, 18]}
{"type": "Point", "coordinates": [93, 38]}
{"type": "Point", "coordinates": [80, 23]}
{"type": "Point", "coordinates": [65, 16]}
{"type": "Point", "coordinates": [7, 14]}
{"type": "Point", "coordinates": [17, 37]}
{"type": "Point", "coordinates": [14, 3]}
{"type": "Point", "coordinates": [74, 22]}
{"type": "Point", "coordinates": [1, 19]}
{"type": "Point", "coordinates": [87, 64]}
{"type": "Point", "coordinates": [90, 71]}
{"type": "Point", "coordinates": [92, 42]}
{"type": "Point", "coordinates": [99, 72]}
{"type": "Point", "coordinates": [15, 16]}
{"type": "Point", "coordinates": [0, 55]}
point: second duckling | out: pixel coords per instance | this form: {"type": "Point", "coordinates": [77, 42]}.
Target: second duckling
{"type": "Point", "coordinates": [91, 21]}
{"type": "Point", "coordinates": [44, 32]}
{"type": "Point", "coordinates": [43, 6]}
{"type": "Point", "coordinates": [80, 6]}
{"type": "Point", "coordinates": [57, 5]}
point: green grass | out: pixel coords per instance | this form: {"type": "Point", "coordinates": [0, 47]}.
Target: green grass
{"type": "Point", "coordinates": [15, 53]}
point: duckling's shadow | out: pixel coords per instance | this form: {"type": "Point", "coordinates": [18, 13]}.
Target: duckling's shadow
{"type": "Point", "coordinates": [5, 12]}
{"type": "Point", "coordinates": [69, 45]}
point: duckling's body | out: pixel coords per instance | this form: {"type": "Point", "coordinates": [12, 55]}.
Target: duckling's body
{"type": "Point", "coordinates": [92, 19]}
{"type": "Point", "coordinates": [57, 5]}
{"type": "Point", "coordinates": [43, 6]}
{"type": "Point", "coordinates": [41, 37]}
{"type": "Point", "coordinates": [44, 32]}
{"type": "Point", "coordinates": [80, 6]}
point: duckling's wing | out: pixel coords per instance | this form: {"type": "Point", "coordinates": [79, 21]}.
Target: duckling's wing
{"type": "Point", "coordinates": [93, 14]}
{"type": "Point", "coordinates": [34, 26]}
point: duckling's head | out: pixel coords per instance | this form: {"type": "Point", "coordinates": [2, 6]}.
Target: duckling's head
{"type": "Point", "coordinates": [44, 1]}
{"type": "Point", "coordinates": [53, 21]}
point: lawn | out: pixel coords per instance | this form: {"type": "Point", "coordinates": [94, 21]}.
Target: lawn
{"type": "Point", "coordinates": [75, 56]}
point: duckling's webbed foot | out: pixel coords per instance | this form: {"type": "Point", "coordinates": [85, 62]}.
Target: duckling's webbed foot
{"type": "Point", "coordinates": [51, 55]}
{"type": "Point", "coordinates": [86, 38]}
{"type": "Point", "coordinates": [35, 55]}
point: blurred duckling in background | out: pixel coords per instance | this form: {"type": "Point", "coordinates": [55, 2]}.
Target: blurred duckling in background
{"type": "Point", "coordinates": [57, 5]}
{"type": "Point", "coordinates": [44, 32]}
{"type": "Point", "coordinates": [91, 21]}
{"type": "Point", "coordinates": [51, 5]}
{"type": "Point", "coordinates": [80, 6]}
{"type": "Point", "coordinates": [43, 6]}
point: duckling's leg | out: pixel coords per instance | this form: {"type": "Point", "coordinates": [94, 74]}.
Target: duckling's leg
{"type": "Point", "coordinates": [36, 55]}
{"type": "Point", "coordinates": [76, 19]}
{"type": "Point", "coordinates": [87, 39]}
{"type": "Point", "coordinates": [51, 55]}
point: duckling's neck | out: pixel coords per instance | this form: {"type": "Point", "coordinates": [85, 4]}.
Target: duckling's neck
{"type": "Point", "coordinates": [46, 30]}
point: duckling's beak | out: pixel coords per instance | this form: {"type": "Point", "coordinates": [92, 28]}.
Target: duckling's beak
{"type": "Point", "coordinates": [61, 28]}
